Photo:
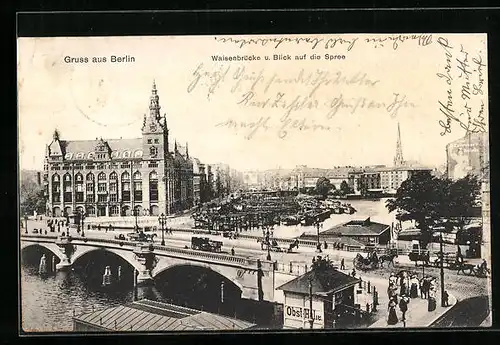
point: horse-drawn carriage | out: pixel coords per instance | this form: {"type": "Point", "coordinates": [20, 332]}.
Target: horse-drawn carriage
{"type": "Point", "coordinates": [370, 262]}
{"type": "Point", "coordinates": [374, 259]}
{"type": "Point", "coordinates": [140, 237]}
{"type": "Point", "coordinates": [270, 244]}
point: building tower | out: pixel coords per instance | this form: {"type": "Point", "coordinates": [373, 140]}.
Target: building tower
{"type": "Point", "coordinates": [398, 159]}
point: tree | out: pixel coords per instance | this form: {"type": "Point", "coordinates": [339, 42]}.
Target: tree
{"type": "Point", "coordinates": [31, 197]}
{"type": "Point", "coordinates": [344, 188]}
{"type": "Point", "coordinates": [322, 264]}
{"type": "Point", "coordinates": [462, 198]}
{"type": "Point", "coordinates": [427, 199]}
{"type": "Point", "coordinates": [323, 186]}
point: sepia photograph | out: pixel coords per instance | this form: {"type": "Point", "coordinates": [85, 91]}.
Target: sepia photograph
{"type": "Point", "coordinates": [248, 183]}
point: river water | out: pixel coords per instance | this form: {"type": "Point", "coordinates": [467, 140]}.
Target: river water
{"type": "Point", "coordinates": [49, 303]}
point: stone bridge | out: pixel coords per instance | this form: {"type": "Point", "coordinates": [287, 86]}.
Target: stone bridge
{"type": "Point", "coordinates": [255, 278]}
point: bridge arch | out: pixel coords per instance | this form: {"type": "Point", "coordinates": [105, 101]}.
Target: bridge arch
{"type": "Point", "coordinates": [53, 248]}
{"type": "Point", "coordinates": [127, 256]}
{"type": "Point", "coordinates": [161, 268]}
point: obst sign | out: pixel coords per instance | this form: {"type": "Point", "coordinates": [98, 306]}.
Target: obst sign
{"type": "Point", "coordinates": [301, 313]}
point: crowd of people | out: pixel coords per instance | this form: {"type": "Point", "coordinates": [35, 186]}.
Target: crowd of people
{"type": "Point", "coordinates": [405, 287]}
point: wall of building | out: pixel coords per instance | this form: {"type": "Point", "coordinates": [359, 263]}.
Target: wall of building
{"type": "Point", "coordinates": [296, 311]}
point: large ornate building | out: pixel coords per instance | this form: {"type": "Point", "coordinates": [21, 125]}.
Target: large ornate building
{"type": "Point", "coordinates": [114, 177]}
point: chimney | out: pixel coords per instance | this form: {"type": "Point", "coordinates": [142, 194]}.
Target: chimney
{"type": "Point", "coordinates": [367, 221]}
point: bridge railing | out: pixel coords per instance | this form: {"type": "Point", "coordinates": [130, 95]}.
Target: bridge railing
{"type": "Point", "coordinates": [247, 262]}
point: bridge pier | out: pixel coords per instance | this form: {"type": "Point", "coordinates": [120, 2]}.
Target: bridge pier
{"type": "Point", "coordinates": [64, 264]}
{"type": "Point", "coordinates": [143, 277]}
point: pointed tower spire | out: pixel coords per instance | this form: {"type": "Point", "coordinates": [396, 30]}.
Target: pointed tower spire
{"type": "Point", "coordinates": [187, 150]}
{"type": "Point", "coordinates": [398, 159]}
{"type": "Point", "coordinates": [154, 103]}
{"type": "Point", "coordinates": [175, 145]}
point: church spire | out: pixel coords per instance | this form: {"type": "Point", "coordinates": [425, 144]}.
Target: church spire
{"type": "Point", "coordinates": [398, 159]}
{"type": "Point", "coordinates": [154, 103]}
{"type": "Point", "coordinates": [187, 150]}
{"type": "Point", "coordinates": [175, 146]}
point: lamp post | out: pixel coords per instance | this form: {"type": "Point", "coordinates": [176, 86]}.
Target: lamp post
{"type": "Point", "coordinates": [268, 258]}
{"type": "Point", "coordinates": [82, 217]}
{"type": "Point", "coordinates": [162, 219]}
{"type": "Point", "coordinates": [136, 213]}
{"type": "Point", "coordinates": [25, 223]}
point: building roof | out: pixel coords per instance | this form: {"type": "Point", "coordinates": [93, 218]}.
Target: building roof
{"type": "Point", "coordinates": [347, 241]}
{"type": "Point", "coordinates": [357, 228]}
{"type": "Point", "coordinates": [121, 148]}
{"type": "Point", "coordinates": [323, 282]}
{"type": "Point", "coordinates": [147, 315]}
{"type": "Point", "coordinates": [405, 168]}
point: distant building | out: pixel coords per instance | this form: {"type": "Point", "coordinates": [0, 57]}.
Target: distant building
{"type": "Point", "coordinates": [469, 154]}
{"type": "Point", "coordinates": [391, 178]}
{"type": "Point", "coordinates": [153, 316]}
{"type": "Point", "coordinates": [332, 292]}
{"type": "Point", "coordinates": [364, 231]}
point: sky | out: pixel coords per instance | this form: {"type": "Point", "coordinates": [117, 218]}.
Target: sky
{"type": "Point", "coordinates": [254, 114]}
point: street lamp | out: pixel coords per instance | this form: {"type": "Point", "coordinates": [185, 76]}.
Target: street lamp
{"type": "Point", "coordinates": [162, 219]}
{"type": "Point", "coordinates": [82, 217]}
{"type": "Point", "coordinates": [25, 223]}
{"type": "Point", "coordinates": [136, 213]}
{"type": "Point", "coordinates": [268, 246]}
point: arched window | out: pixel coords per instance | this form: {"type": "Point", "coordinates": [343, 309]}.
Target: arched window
{"type": "Point", "coordinates": [67, 178]}
{"type": "Point", "coordinates": [90, 177]}
{"type": "Point", "coordinates": [79, 155]}
{"type": "Point", "coordinates": [113, 176]}
{"type": "Point", "coordinates": [138, 154]}
{"type": "Point", "coordinates": [126, 154]}
{"type": "Point", "coordinates": [153, 186]}
{"type": "Point", "coordinates": [125, 176]}
{"type": "Point", "coordinates": [79, 177]}
{"type": "Point", "coordinates": [137, 175]}
{"type": "Point", "coordinates": [101, 176]}
{"type": "Point", "coordinates": [91, 155]}
{"type": "Point", "coordinates": [55, 178]}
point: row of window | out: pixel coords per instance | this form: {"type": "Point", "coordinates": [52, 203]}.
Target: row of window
{"type": "Point", "coordinates": [125, 176]}
{"type": "Point", "coordinates": [103, 166]}
{"type": "Point", "coordinates": [156, 141]}
{"type": "Point", "coordinates": [90, 198]}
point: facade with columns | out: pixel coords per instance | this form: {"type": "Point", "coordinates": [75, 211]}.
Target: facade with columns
{"type": "Point", "coordinates": [114, 177]}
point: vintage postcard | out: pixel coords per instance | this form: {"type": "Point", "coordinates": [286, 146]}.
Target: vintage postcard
{"type": "Point", "coordinates": [241, 183]}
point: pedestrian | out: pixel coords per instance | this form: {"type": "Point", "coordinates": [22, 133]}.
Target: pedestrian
{"type": "Point", "coordinates": [326, 245]}
{"type": "Point", "coordinates": [431, 304]}
{"type": "Point", "coordinates": [232, 251]}
{"type": "Point", "coordinates": [353, 273]}
{"type": "Point", "coordinates": [59, 227]}
{"type": "Point", "coordinates": [403, 306]}
{"type": "Point", "coordinates": [393, 317]}
{"type": "Point", "coordinates": [45, 231]}
{"type": "Point", "coordinates": [342, 264]}
{"type": "Point", "coordinates": [414, 287]}
{"type": "Point", "coordinates": [446, 297]}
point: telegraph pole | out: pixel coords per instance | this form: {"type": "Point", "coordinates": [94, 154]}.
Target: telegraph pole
{"type": "Point", "coordinates": [311, 318]}
{"type": "Point", "coordinates": [442, 268]}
